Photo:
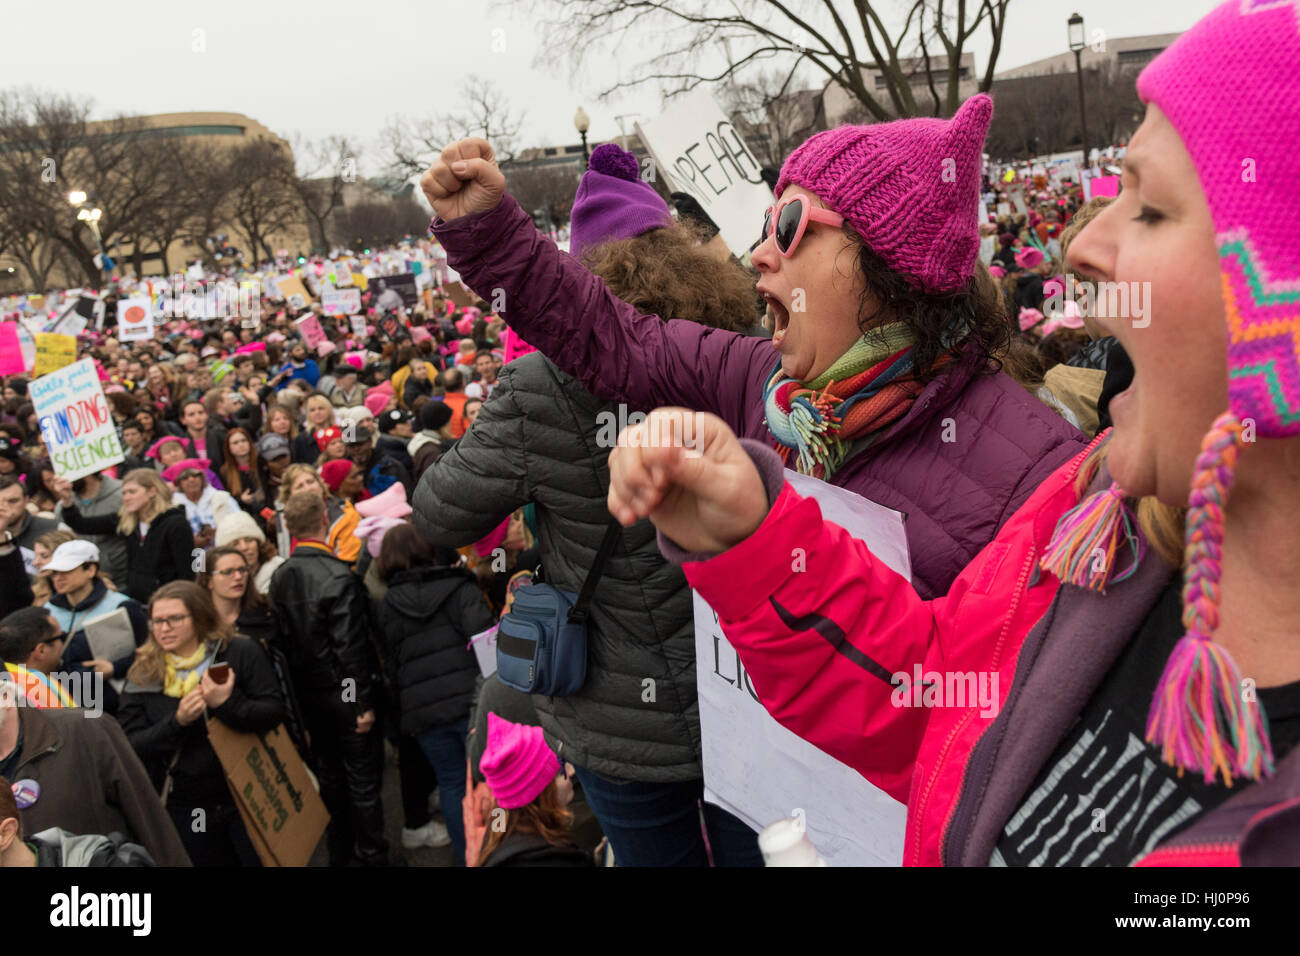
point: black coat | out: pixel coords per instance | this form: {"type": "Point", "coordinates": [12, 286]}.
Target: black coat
{"type": "Point", "coordinates": [324, 614]}
{"type": "Point", "coordinates": [149, 718]}
{"type": "Point", "coordinates": [427, 618]}
{"type": "Point", "coordinates": [529, 849]}
{"type": "Point", "coordinates": [165, 554]}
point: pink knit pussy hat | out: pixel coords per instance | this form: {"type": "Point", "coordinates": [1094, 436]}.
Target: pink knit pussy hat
{"type": "Point", "coordinates": [517, 764]}
{"type": "Point", "coordinates": [910, 188]}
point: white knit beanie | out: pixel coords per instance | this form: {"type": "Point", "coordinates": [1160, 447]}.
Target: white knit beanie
{"type": "Point", "coordinates": [232, 527]}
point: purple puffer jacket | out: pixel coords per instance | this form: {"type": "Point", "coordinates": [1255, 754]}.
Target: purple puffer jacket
{"type": "Point", "coordinates": [1000, 440]}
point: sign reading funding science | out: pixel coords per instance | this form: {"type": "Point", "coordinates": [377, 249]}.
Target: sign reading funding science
{"type": "Point", "coordinates": [75, 420]}
{"type": "Point", "coordinates": [762, 772]}
{"type": "Point", "coordinates": [700, 152]}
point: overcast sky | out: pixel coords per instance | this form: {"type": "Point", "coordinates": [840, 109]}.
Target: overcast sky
{"type": "Point", "coordinates": [328, 66]}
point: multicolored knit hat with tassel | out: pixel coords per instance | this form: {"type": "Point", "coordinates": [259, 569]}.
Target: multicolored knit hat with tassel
{"type": "Point", "coordinates": [1231, 88]}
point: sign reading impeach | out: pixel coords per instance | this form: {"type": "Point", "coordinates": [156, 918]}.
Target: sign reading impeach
{"type": "Point", "coordinates": [75, 420]}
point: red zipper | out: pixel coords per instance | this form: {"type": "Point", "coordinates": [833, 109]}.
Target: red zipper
{"type": "Point", "coordinates": [1204, 854]}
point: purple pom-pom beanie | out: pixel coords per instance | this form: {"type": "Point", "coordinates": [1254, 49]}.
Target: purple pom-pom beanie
{"type": "Point", "coordinates": [910, 188]}
{"type": "Point", "coordinates": [612, 201]}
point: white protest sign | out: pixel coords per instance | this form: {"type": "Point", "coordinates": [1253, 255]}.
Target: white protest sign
{"type": "Point", "coordinates": [134, 319]}
{"type": "Point", "coordinates": [485, 650]}
{"type": "Point", "coordinates": [75, 420]}
{"type": "Point", "coordinates": [341, 301]}
{"type": "Point", "coordinates": [695, 146]}
{"type": "Point", "coordinates": [358, 325]}
{"type": "Point", "coordinates": [762, 772]}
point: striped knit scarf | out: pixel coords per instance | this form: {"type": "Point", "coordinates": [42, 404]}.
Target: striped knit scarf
{"type": "Point", "coordinates": [868, 388]}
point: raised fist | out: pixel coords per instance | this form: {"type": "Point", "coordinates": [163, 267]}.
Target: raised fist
{"type": "Point", "coordinates": [463, 180]}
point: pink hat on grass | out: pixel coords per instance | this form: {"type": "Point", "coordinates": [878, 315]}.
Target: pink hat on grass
{"type": "Point", "coordinates": [517, 763]}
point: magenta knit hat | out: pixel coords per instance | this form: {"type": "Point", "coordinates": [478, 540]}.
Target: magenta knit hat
{"type": "Point", "coordinates": [375, 402]}
{"type": "Point", "coordinates": [1230, 86]}
{"type": "Point", "coordinates": [517, 764]}
{"type": "Point", "coordinates": [910, 188]}
{"type": "Point", "coordinates": [1029, 257]}
{"type": "Point", "coordinates": [612, 201]}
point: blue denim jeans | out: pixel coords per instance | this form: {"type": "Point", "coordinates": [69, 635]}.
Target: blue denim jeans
{"type": "Point", "coordinates": [658, 824]}
{"type": "Point", "coordinates": [445, 748]}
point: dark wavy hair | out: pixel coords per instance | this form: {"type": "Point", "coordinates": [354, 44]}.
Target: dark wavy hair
{"type": "Point", "coordinates": [667, 272]}
{"type": "Point", "coordinates": [970, 323]}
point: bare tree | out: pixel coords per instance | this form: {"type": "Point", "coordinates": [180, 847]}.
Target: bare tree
{"type": "Point", "coordinates": [261, 199]}
{"type": "Point", "coordinates": [771, 114]}
{"type": "Point", "coordinates": [412, 144]}
{"type": "Point", "coordinates": [551, 188]}
{"type": "Point", "coordinates": [377, 222]}
{"type": "Point", "coordinates": [325, 167]}
{"type": "Point", "coordinates": [839, 40]}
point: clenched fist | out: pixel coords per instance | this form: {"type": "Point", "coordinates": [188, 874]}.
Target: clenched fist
{"type": "Point", "coordinates": [688, 473]}
{"type": "Point", "coordinates": [463, 180]}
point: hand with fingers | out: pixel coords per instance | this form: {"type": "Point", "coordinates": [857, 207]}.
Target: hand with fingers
{"type": "Point", "coordinates": [688, 473]}
{"type": "Point", "coordinates": [464, 180]}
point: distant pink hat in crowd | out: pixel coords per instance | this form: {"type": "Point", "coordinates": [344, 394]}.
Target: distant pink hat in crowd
{"type": "Point", "coordinates": [157, 446]}
{"type": "Point", "coordinates": [172, 472]}
{"type": "Point", "coordinates": [1054, 286]}
{"type": "Point", "coordinates": [355, 359]}
{"type": "Point", "coordinates": [465, 325]}
{"type": "Point", "coordinates": [997, 272]}
{"type": "Point", "coordinates": [389, 503]}
{"type": "Point", "coordinates": [1071, 317]}
{"type": "Point", "coordinates": [251, 347]}
{"type": "Point", "coordinates": [372, 530]}
{"type": "Point", "coordinates": [517, 763]}
{"type": "Point", "coordinates": [375, 402]}
{"type": "Point", "coordinates": [1029, 318]}
{"type": "Point", "coordinates": [1029, 257]}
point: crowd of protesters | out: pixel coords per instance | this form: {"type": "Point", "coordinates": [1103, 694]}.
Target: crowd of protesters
{"type": "Point", "coordinates": [313, 537]}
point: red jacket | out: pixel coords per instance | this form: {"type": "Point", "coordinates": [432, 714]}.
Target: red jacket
{"type": "Point", "coordinates": [821, 645]}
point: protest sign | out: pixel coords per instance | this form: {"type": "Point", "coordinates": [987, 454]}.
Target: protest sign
{"type": "Point", "coordinates": [700, 152]}
{"type": "Point", "coordinates": [282, 811]}
{"type": "Point", "coordinates": [342, 274]}
{"type": "Point", "coordinates": [358, 325]}
{"type": "Point", "coordinates": [393, 292]}
{"type": "Point", "coordinates": [458, 294]}
{"type": "Point", "coordinates": [359, 280]}
{"type": "Point", "coordinates": [1004, 210]}
{"type": "Point", "coordinates": [53, 352]}
{"type": "Point", "coordinates": [1017, 194]}
{"type": "Point", "coordinates": [294, 292]}
{"type": "Point", "coordinates": [75, 420]}
{"type": "Point", "coordinates": [134, 319]}
{"type": "Point", "coordinates": [485, 650]}
{"type": "Point", "coordinates": [1105, 185]}
{"type": "Point", "coordinates": [312, 333]}
{"type": "Point", "coordinates": [341, 301]}
{"type": "Point", "coordinates": [762, 772]}
{"type": "Point", "coordinates": [12, 360]}
{"type": "Point", "coordinates": [74, 319]}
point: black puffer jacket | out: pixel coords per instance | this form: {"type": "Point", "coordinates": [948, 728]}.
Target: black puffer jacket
{"type": "Point", "coordinates": [324, 614]}
{"type": "Point", "coordinates": [541, 437]}
{"type": "Point", "coordinates": [427, 618]}
{"type": "Point", "coordinates": [165, 554]}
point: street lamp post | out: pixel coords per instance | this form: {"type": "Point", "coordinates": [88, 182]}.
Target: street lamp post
{"type": "Point", "coordinates": [91, 218]}
{"type": "Point", "coordinates": [1075, 24]}
{"type": "Point", "coordinates": [582, 123]}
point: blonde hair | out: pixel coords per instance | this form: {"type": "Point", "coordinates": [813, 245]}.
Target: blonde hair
{"type": "Point", "coordinates": [318, 399]}
{"type": "Point", "coordinates": [160, 499]}
{"type": "Point", "coordinates": [291, 476]}
{"type": "Point", "coordinates": [1163, 526]}
{"type": "Point", "coordinates": [150, 665]}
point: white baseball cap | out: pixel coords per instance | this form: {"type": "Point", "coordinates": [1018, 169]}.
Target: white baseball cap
{"type": "Point", "coordinates": [73, 554]}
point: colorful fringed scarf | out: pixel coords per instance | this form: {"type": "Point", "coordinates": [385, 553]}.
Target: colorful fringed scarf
{"type": "Point", "coordinates": [868, 388]}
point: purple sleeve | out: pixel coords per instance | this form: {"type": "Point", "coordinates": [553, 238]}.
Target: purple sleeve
{"type": "Point", "coordinates": [559, 307]}
{"type": "Point", "coordinates": [770, 469]}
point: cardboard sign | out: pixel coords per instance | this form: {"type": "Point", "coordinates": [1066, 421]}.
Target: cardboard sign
{"type": "Point", "coordinates": [700, 152]}
{"type": "Point", "coordinates": [294, 292]}
{"type": "Point", "coordinates": [760, 771]}
{"type": "Point", "coordinates": [458, 294]}
{"type": "Point", "coordinates": [282, 811]}
{"type": "Point", "coordinates": [53, 352]}
{"type": "Point", "coordinates": [393, 292]}
{"type": "Point", "coordinates": [12, 360]}
{"type": "Point", "coordinates": [359, 280]}
{"type": "Point", "coordinates": [134, 319]}
{"type": "Point", "coordinates": [341, 301]}
{"type": "Point", "coordinates": [312, 333]}
{"type": "Point", "coordinates": [75, 420]}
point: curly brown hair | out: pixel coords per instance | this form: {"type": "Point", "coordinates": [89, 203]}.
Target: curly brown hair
{"type": "Point", "coordinates": [666, 272]}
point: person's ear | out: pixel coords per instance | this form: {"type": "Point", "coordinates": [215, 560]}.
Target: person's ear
{"type": "Point", "coordinates": [8, 832]}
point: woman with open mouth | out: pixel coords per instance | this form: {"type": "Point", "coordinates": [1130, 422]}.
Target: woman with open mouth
{"type": "Point", "coordinates": [881, 374]}
{"type": "Point", "coordinates": [1149, 661]}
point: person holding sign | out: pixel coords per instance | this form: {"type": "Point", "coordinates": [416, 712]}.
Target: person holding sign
{"type": "Point", "coordinates": [192, 669]}
{"type": "Point", "coordinates": [881, 376]}
{"type": "Point", "coordinates": [1149, 711]}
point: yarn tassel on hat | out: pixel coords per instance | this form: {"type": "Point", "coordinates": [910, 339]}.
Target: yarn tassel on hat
{"type": "Point", "coordinates": [1198, 716]}
{"type": "Point", "coordinates": [1083, 546]}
